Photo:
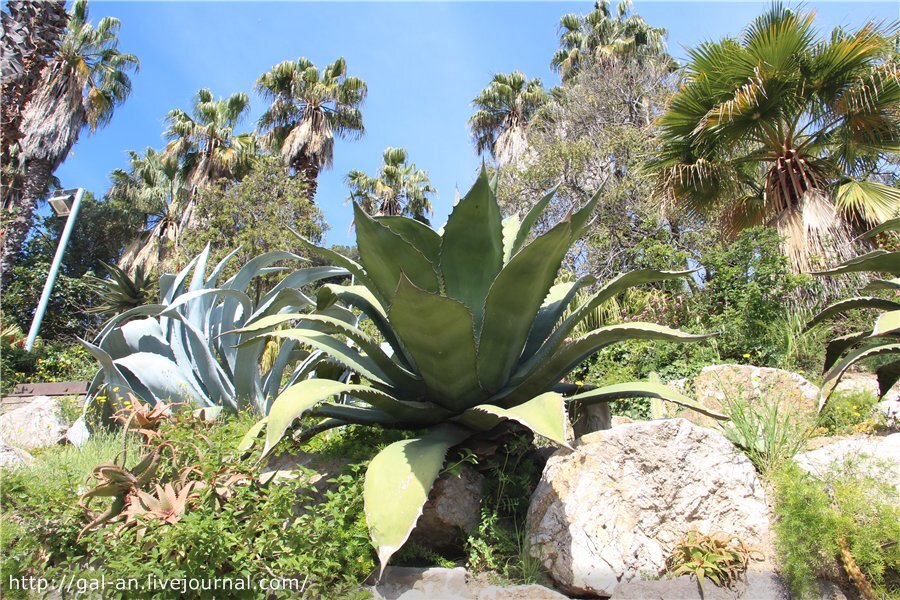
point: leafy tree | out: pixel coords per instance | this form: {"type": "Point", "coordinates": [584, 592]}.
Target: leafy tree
{"type": "Point", "coordinates": [80, 88]}
{"type": "Point", "coordinates": [399, 189]}
{"type": "Point", "coordinates": [99, 234]}
{"type": "Point", "coordinates": [783, 128]}
{"type": "Point", "coordinates": [251, 216]}
{"type": "Point", "coordinates": [505, 109]}
{"type": "Point", "coordinates": [600, 37]}
{"type": "Point", "coordinates": [308, 107]}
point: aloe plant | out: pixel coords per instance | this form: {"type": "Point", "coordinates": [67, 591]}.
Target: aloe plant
{"type": "Point", "coordinates": [475, 333]}
{"type": "Point", "coordinates": [181, 348]}
{"type": "Point", "coordinates": [884, 337]}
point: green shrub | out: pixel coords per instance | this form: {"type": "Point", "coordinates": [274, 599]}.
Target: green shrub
{"type": "Point", "coordinates": [853, 502]}
{"type": "Point", "coordinates": [849, 412]}
{"type": "Point", "coordinates": [49, 361]}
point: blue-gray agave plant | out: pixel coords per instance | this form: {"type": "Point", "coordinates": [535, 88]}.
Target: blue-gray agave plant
{"type": "Point", "coordinates": [183, 348]}
{"type": "Point", "coordinates": [476, 333]}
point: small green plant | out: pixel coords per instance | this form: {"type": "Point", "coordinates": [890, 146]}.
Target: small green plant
{"type": "Point", "coordinates": [849, 518]}
{"type": "Point", "coordinates": [768, 430]}
{"type": "Point", "coordinates": [718, 557]}
{"type": "Point", "coordinates": [849, 412]}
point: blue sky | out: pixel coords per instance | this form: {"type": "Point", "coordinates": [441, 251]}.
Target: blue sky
{"type": "Point", "coordinates": [423, 63]}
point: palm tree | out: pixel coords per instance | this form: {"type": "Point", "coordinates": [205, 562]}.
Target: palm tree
{"type": "Point", "coordinates": [399, 189]}
{"type": "Point", "coordinates": [783, 128]}
{"type": "Point", "coordinates": [206, 143]}
{"type": "Point", "coordinates": [156, 184]}
{"type": "Point", "coordinates": [599, 36]}
{"type": "Point", "coordinates": [308, 107]}
{"type": "Point", "coordinates": [505, 108]}
{"type": "Point", "coordinates": [80, 88]}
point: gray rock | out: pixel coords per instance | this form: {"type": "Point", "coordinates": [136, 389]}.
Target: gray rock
{"type": "Point", "coordinates": [409, 583]}
{"type": "Point", "coordinates": [13, 458]}
{"type": "Point", "coordinates": [718, 384]}
{"type": "Point", "coordinates": [78, 433]}
{"type": "Point", "coordinates": [882, 453]}
{"type": "Point", "coordinates": [613, 510]}
{"type": "Point", "coordinates": [757, 585]}
{"type": "Point", "coordinates": [517, 592]}
{"type": "Point", "coordinates": [887, 412]}
{"type": "Point", "coordinates": [591, 418]}
{"type": "Point", "coordinates": [36, 425]}
{"type": "Point", "coordinates": [866, 382]}
{"type": "Point", "coordinates": [453, 510]}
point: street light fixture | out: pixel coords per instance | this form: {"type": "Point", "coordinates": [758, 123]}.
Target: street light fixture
{"type": "Point", "coordinates": [65, 203]}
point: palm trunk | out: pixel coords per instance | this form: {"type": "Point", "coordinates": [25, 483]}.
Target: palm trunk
{"type": "Point", "coordinates": [21, 215]}
{"type": "Point", "coordinates": [310, 174]}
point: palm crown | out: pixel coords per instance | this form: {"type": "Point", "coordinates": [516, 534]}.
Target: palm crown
{"type": "Point", "coordinates": [780, 126]}
{"type": "Point", "coordinates": [505, 108]}
{"type": "Point", "coordinates": [399, 189]}
{"type": "Point", "coordinates": [308, 107]}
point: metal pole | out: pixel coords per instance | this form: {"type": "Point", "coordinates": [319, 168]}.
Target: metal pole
{"type": "Point", "coordinates": [54, 271]}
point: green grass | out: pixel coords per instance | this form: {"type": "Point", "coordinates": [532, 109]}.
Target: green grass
{"type": "Point", "coordinates": [849, 412]}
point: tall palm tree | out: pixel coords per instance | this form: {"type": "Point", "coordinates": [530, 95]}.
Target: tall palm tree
{"type": "Point", "coordinates": [205, 141]}
{"type": "Point", "coordinates": [80, 88]}
{"type": "Point", "coordinates": [399, 189]}
{"type": "Point", "coordinates": [602, 37]}
{"type": "Point", "coordinates": [505, 108]}
{"type": "Point", "coordinates": [308, 107]}
{"type": "Point", "coordinates": [783, 128]}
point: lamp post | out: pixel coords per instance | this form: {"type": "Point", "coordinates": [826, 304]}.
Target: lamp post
{"type": "Point", "coordinates": [63, 205]}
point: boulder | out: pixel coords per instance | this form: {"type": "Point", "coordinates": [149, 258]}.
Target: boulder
{"type": "Point", "coordinates": [409, 583]}
{"type": "Point", "coordinates": [756, 585]}
{"type": "Point", "coordinates": [452, 512]}
{"type": "Point", "coordinates": [612, 510]}
{"type": "Point", "coordinates": [591, 418]}
{"type": "Point", "coordinates": [717, 384]}
{"type": "Point", "coordinates": [883, 453]}
{"type": "Point", "coordinates": [38, 424]}
{"type": "Point", "coordinates": [866, 382]}
{"type": "Point", "coordinates": [887, 413]}
{"type": "Point", "coordinates": [517, 592]}
{"type": "Point", "coordinates": [13, 458]}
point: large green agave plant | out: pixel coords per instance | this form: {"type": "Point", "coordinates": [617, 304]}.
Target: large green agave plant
{"type": "Point", "coordinates": [883, 338]}
{"type": "Point", "coordinates": [475, 334]}
{"type": "Point", "coordinates": [180, 348]}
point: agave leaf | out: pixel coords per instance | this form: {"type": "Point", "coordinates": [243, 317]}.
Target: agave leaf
{"type": "Point", "coordinates": [609, 290]}
{"type": "Point", "coordinates": [887, 323]}
{"type": "Point", "coordinates": [887, 376]}
{"type": "Point", "coordinates": [385, 255]}
{"type": "Point", "coordinates": [537, 374]}
{"type": "Point", "coordinates": [438, 334]}
{"type": "Point", "coordinates": [355, 269]}
{"type": "Point", "coordinates": [194, 357]}
{"type": "Point", "coordinates": [852, 303]}
{"type": "Point", "coordinates": [160, 378]}
{"type": "Point", "coordinates": [837, 346]}
{"type": "Point", "coordinates": [148, 310]}
{"type": "Point", "coordinates": [554, 307]}
{"type": "Point", "coordinates": [513, 301]}
{"type": "Point", "coordinates": [397, 484]}
{"type": "Point", "coordinates": [510, 226]}
{"type": "Point", "coordinates": [545, 415]}
{"type": "Point", "coordinates": [877, 260]}
{"type": "Point", "coordinates": [251, 436]}
{"type": "Point", "coordinates": [199, 277]}
{"type": "Point", "coordinates": [112, 376]}
{"type": "Point", "coordinates": [422, 237]}
{"type": "Point", "coordinates": [472, 248]}
{"type": "Point", "coordinates": [882, 284]}
{"type": "Point", "coordinates": [213, 279]}
{"type": "Point", "coordinates": [642, 389]}
{"type": "Point", "coordinates": [238, 296]}
{"type": "Point", "coordinates": [837, 371]}
{"type": "Point", "coordinates": [531, 218]}
{"type": "Point", "coordinates": [889, 225]}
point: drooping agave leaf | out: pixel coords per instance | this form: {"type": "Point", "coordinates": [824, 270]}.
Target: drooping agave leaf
{"type": "Point", "coordinates": [422, 237]}
{"type": "Point", "coordinates": [889, 225]}
{"type": "Point", "coordinates": [882, 284]}
{"type": "Point", "coordinates": [354, 268]}
{"type": "Point", "coordinates": [887, 375]}
{"type": "Point", "coordinates": [513, 301]}
{"type": "Point", "coordinates": [852, 303]}
{"type": "Point", "coordinates": [837, 346]}
{"type": "Point", "coordinates": [472, 248]}
{"type": "Point", "coordinates": [607, 291]}
{"type": "Point", "coordinates": [398, 482]}
{"type": "Point", "coordinates": [438, 334]}
{"type": "Point", "coordinates": [643, 389]}
{"type": "Point", "coordinates": [544, 415]}
{"type": "Point", "coordinates": [160, 378]}
{"type": "Point", "coordinates": [877, 260]}
{"type": "Point", "coordinates": [887, 323]}
{"type": "Point", "coordinates": [833, 376]}
{"type": "Point", "coordinates": [536, 375]}
{"type": "Point", "coordinates": [385, 255]}
{"type": "Point", "coordinates": [251, 436]}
